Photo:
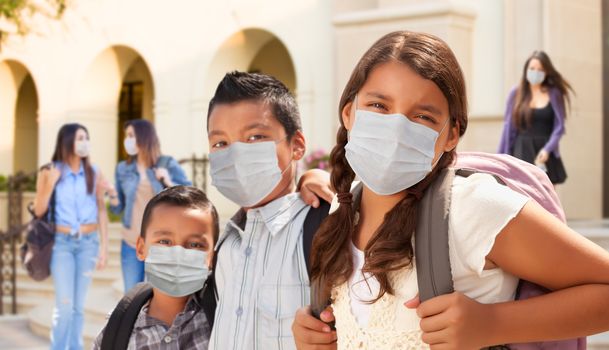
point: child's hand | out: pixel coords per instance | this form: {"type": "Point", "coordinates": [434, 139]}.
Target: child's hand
{"type": "Point", "coordinates": [315, 184]}
{"type": "Point", "coordinates": [311, 333]}
{"type": "Point", "coordinates": [453, 321]}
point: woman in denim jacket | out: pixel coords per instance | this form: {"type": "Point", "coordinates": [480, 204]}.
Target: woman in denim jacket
{"type": "Point", "coordinates": [138, 179]}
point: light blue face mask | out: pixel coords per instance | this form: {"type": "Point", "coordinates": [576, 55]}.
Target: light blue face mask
{"type": "Point", "coordinates": [175, 270]}
{"type": "Point", "coordinates": [535, 77]}
{"type": "Point", "coordinates": [388, 152]}
{"type": "Point", "coordinates": [246, 173]}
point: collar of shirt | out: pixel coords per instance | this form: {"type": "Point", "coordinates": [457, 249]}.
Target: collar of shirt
{"type": "Point", "coordinates": [66, 170]}
{"type": "Point", "coordinates": [276, 215]}
{"type": "Point", "coordinates": [145, 321]}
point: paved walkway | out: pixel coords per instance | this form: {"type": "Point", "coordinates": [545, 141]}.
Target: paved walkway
{"type": "Point", "coordinates": [15, 334]}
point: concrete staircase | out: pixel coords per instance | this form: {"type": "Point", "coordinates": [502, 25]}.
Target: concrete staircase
{"type": "Point", "coordinates": [36, 299]}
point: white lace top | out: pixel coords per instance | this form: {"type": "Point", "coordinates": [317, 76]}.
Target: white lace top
{"type": "Point", "coordinates": [480, 208]}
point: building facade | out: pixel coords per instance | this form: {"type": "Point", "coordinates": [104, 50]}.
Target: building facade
{"type": "Point", "coordinates": [105, 62]}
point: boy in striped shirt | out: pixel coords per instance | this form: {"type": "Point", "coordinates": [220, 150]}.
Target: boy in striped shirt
{"type": "Point", "coordinates": [255, 139]}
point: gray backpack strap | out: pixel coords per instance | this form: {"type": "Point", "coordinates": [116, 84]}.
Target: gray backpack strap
{"type": "Point", "coordinates": [432, 257]}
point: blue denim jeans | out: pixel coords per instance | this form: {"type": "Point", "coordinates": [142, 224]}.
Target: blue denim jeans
{"type": "Point", "coordinates": [72, 265]}
{"type": "Point", "coordinates": [133, 269]}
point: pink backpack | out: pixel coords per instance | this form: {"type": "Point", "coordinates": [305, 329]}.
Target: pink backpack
{"type": "Point", "coordinates": [432, 256]}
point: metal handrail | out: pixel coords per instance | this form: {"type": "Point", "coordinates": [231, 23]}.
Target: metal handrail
{"type": "Point", "coordinates": [10, 238]}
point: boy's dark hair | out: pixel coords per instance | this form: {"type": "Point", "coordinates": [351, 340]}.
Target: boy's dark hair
{"type": "Point", "coordinates": [182, 196]}
{"type": "Point", "coordinates": [241, 86]}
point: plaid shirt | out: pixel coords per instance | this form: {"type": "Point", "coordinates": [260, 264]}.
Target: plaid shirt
{"type": "Point", "coordinates": [189, 330]}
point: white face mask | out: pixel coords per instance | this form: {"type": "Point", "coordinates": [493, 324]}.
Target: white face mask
{"type": "Point", "coordinates": [82, 148]}
{"type": "Point", "coordinates": [388, 152]}
{"type": "Point", "coordinates": [176, 271]}
{"type": "Point", "coordinates": [246, 173]}
{"type": "Point", "coordinates": [535, 77]}
{"type": "Point", "coordinates": [130, 146]}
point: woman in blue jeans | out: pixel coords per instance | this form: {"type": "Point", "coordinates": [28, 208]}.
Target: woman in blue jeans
{"type": "Point", "coordinates": [138, 179]}
{"type": "Point", "coordinates": [74, 189]}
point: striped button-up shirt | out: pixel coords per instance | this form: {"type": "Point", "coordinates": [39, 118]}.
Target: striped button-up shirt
{"type": "Point", "coordinates": [189, 331]}
{"type": "Point", "coordinates": [261, 277]}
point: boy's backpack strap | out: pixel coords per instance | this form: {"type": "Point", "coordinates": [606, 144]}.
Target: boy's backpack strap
{"type": "Point", "coordinates": [431, 238]}
{"type": "Point", "coordinates": [209, 294]}
{"type": "Point", "coordinates": [120, 325]}
{"type": "Point", "coordinates": [313, 220]}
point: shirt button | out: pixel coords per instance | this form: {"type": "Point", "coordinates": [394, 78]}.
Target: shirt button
{"type": "Point", "coordinates": [239, 311]}
{"type": "Point", "coordinates": [248, 251]}
{"type": "Point", "coordinates": [167, 339]}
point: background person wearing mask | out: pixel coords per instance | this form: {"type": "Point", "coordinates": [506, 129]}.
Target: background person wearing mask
{"type": "Point", "coordinates": [535, 117]}
{"type": "Point", "coordinates": [74, 190]}
{"type": "Point", "coordinates": [144, 174]}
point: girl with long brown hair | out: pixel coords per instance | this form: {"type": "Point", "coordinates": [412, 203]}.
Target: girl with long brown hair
{"type": "Point", "coordinates": [71, 191]}
{"type": "Point", "coordinates": [402, 114]}
{"type": "Point", "coordinates": [535, 116]}
{"type": "Point", "coordinates": [145, 173]}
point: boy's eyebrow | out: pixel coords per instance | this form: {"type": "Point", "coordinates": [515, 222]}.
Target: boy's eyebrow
{"type": "Point", "coordinates": [197, 234]}
{"type": "Point", "coordinates": [161, 233]}
{"type": "Point", "coordinates": [256, 126]}
{"type": "Point", "coordinates": [215, 133]}
{"type": "Point", "coordinates": [428, 108]}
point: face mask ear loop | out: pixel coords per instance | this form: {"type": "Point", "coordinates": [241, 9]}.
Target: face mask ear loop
{"type": "Point", "coordinates": [442, 154]}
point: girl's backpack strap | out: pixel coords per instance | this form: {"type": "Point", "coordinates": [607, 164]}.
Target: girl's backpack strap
{"type": "Point", "coordinates": [432, 257]}
{"type": "Point", "coordinates": [120, 325]}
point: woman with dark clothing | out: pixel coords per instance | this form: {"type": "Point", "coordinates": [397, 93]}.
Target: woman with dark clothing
{"type": "Point", "coordinates": [535, 117]}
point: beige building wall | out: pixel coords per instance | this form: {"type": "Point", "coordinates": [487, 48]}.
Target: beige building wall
{"type": "Point", "coordinates": [78, 65]}
{"type": "Point", "coordinates": [572, 37]}
{"type": "Point", "coordinates": [492, 40]}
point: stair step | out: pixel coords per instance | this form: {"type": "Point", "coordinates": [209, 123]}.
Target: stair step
{"type": "Point", "coordinates": [103, 277]}
{"type": "Point", "coordinates": [33, 289]}
{"type": "Point", "coordinates": [15, 334]}
{"type": "Point", "coordinates": [24, 304]}
{"type": "Point", "coordinates": [118, 288]}
{"type": "Point", "coordinates": [40, 321]}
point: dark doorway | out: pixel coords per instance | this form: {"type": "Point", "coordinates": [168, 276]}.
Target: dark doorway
{"type": "Point", "coordinates": [129, 107]}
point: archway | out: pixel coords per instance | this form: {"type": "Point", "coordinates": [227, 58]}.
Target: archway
{"type": "Point", "coordinates": [116, 87]}
{"type": "Point", "coordinates": [253, 50]}
{"type": "Point", "coordinates": [18, 119]}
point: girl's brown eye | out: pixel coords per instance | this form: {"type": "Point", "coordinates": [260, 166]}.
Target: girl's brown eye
{"type": "Point", "coordinates": [220, 144]}
{"type": "Point", "coordinates": [425, 118]}
{"type": "Point", "coordinates": [378, 106]}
